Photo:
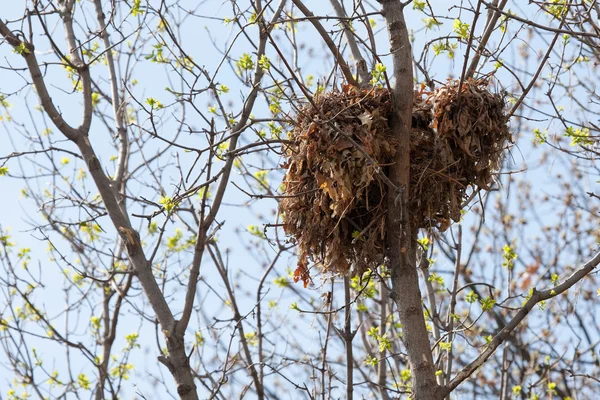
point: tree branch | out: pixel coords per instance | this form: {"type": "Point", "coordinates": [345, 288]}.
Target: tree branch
{"type": "Point", "coordinates": [361, 64]}
{"type": "Point", "coordinates": [224, 182]}
{"type": "Point", "coordinates": [26, 50]}
{"type": "Point", "coordinates": [489, 28]}
{"type": "Point", "coordinates": [332, 47]}
{"type": "Point", "coordinates": [501, 336]}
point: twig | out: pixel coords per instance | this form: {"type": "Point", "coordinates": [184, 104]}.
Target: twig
{"type": "Point", "coordinates": [332, 47]}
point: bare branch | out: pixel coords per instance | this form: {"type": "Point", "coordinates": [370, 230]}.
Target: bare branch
{"type": "Point", "coordinates": [335, 51]}
{"type": "Point", "coordinates": [500, 337]}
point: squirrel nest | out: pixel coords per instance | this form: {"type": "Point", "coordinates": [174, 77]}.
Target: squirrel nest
{"type": "Point", "coordinates": [335, 205]}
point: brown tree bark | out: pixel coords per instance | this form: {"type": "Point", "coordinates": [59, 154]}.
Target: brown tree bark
{"type": "Point", "coordinates": [401, 244]}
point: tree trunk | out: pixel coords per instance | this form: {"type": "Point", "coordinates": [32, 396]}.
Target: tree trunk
{"type": "Point", "coordinates": [401, 243]}
{"type": "Point", "coordinates": [178, 364]}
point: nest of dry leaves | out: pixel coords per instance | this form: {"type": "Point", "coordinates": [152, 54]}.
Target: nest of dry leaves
{"type": "Point", "coordinates": [335, 195]}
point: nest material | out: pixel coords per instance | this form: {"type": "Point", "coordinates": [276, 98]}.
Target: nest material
{"type": "Point", "coordinates": [335, 205]}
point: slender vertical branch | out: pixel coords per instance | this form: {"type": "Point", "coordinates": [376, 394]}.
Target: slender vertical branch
{"type": "Point", "coordinates": [504, 376]}
{"type": "Point", "coordinates": [381, 366]}
{"type": "Point", "coordinates": [259, 322]}
{"type": "Point", "coordinates": [77, 61]}
{"type": "Point", "coordinates": [332, 46]}
{"type": "Point", "coordinates": [539, 70]}
{"type": "Point", "coordinates": [237, 316]}
{"type": "Point", "coordinates": [370, 33]}
{"type": "Point", "coordinates": [324, 366]}
{"type": "Point", "coordinates": [348, 336]}
{"type": "Point", "coordinates": [433, 314]}
{"type": "Point", "coordinates": [117, 106]}
{"type": "Point", "coordinates": [468, 51]}
{"type": "Point", "coordinates": [452, 306]}
{"type": "Point", "coordinates": [361, 64]}
{"type": "Point", "coordinates": [487, 33]}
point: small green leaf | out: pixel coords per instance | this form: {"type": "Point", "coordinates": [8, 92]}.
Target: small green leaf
{"type": "Point", "coordinates": [21, 49]}
{"type": "Point", "coordinates": [245, 63]}
{"type": "Point", "coordinates": [487, 303]}
{"type": "Point", "coordinates": [264, 62]}
{"type": "Point", "coordinates": [461, 29]}
{"type": "Point", "coordinates": [154, 104]}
